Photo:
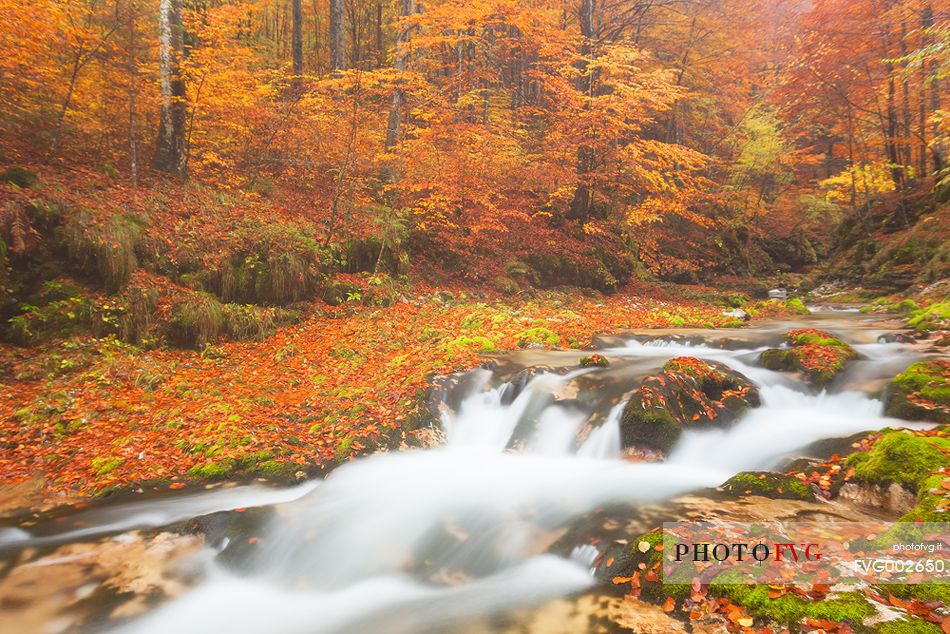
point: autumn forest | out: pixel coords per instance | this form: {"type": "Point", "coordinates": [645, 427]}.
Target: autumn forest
{"type": "Point", "coordinates": [263, 259]}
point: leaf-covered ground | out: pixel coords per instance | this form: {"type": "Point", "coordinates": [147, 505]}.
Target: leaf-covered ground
{"type": "Point", "coordinates": [90, 414]}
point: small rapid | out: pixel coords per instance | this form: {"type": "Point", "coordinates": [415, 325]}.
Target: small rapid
{"type": "Point", "coordinates": [420, 541]}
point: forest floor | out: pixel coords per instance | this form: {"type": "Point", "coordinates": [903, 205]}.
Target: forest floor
{"type": "Point", "coordinates": [153, 341]}
{"type": "Point", "coordinates": [90, 415]}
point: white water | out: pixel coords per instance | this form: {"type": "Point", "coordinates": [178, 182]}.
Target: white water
{"type": "Point", "coordinates": [149, 514]}
{"type": "Point", "coordinates": [604, 442]}
{"type": "Point", "coordinates": [417, 541]}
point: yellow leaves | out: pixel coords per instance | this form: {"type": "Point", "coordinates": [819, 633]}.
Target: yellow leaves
{"type": "Point", "coordinates": [648, 212]}
{"type": "Point", "coordinates": [592, 229]}
{"type": "Point", "coordinates": [867, 180]}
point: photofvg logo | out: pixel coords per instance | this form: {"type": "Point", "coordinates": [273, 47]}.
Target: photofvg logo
{"type": "Point", "coordinates": [743, 551]}
{"type": "Point", "coordinates": [848, 553]}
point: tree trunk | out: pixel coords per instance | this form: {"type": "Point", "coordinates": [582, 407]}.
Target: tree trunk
{"type": "Point", "coordinates": [393, 125]}
{"type": "Point", "coordinates": [908, 153]}
{"type": "Point", "coordinates": [133, 71]}
{"type": "Point", "coordinates": [297, 43]}
{"type": "Point", "coordinates": [922, 116]}
{"type": "Point", "coordinates": [584, 164]}
{"type": "Point", "coordinates": [337, 35]}
{"type": "Point", "coordinates": [380, 53]}
{"type": "Point", "coordinates": [170, 150]}
{"type": "Point", "coordinates": [937, 149]}
{"type": "Point", "coordinates": [893, 152]}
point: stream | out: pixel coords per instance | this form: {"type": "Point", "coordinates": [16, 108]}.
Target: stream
{"type": "Point", "coordinates": [430, 540]}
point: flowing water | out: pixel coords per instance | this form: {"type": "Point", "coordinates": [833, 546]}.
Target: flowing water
{"type": "Point", "coordinates": [421, 541]}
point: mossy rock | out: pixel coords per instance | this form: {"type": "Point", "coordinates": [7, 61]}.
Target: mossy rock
{"type": "Point", "coordinates": [902, 457]}
{"type": "Point", "coordinates": [505, 285]}
{"type": "Point", "coordinates": [214, 470]}
{"type": "Point", "coordinates": [921, 392]}
{"type": "Point", "coordinates": [540, 336]}
{"type": "Point", "coordinates": [778, 360]}
{"type": "Point", "coordinates": [817, 355]}
{"type": "Point", "coordinates": [767, 484]}
{"type": "Point", "coordinates": [275, 469]}
{"type": "Point", "coordinates": [933, 317]}
{"type": "Point", "coordinates": [688, 392]}
{"type": "Point", "coordinates": [482, 344]}
{"type": "Point", "coordinates": [912, 460]}
{"type": "Point", "coordinates": [19, 176]}
{"type": "Point", "coordinates": [932, 506]}
{"type": "Point", "coordinates": [640, 555]}
{"type": "Point", "coordinates": [796, 306]}
{"type": "Point", "coordinates": [595, 361]}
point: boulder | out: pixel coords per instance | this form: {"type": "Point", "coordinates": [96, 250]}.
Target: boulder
{"type": "Point", "coordinates": [775, 486]}
{"type": "Point", "coordinates": [921, 392]}
{"type": "Point", "coordinates": [687, 393]}
{"type": "Point", "coordinates": [817, 355]}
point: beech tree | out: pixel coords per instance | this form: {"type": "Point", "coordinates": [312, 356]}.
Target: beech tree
{"type": "Point", "coordinates": [170, 147]}
{"type": "Point", "coordinates": [337, 35]}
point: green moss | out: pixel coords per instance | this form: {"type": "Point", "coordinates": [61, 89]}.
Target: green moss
{"type": "Point", "coordinates": [275, 468]}
{"type": "Point", "coordinates": [654, 427]}
{"type": "Point", "coordinates": [900, 457]}
{"type": "Point", "coordinates": [790, 609]}
{"type": "Point", "coordinates": [930, 507]}
{"type": "Point", "coordinates": [657, 590]}
{"type": "Point", "coordinates": [105, 464]}
{"type": "Point", "coordinates": [343, 449]}
{"type": "Point", "coordinates": [796, 306]}
{"type": "Point", "coordinates": [925, 592]}
{"type": "Point", "coordinates": [264, 262]}
{"type": "Point", "coordinates": [212, 470]}
{"type": "Point", "coordinates": [688, 392]}
{"type": "Point", "coordinates": [816, 354]}
{"type": "Point", "coordinates": [484, 344]}
{"type": "Point", "coordinates": [933, 317]}
{"type": "Point", "coordinates": [676, 321]}
{"type": "Point", "coordinates": [767, 484]}
{"type": "Point", "coordinates": [926, 379]}
{"type": "Point", "coordinates": [538, 335]}
{"type": "Point", "coordinates": [814, 338]}
{"type": "Point", "coordinates": [905, 306]}
{"type": "Point", "coordinates": [777, 359]}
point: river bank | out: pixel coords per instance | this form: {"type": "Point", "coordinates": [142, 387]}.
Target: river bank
{"type": "Point", "coordinates": [88, 415]}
